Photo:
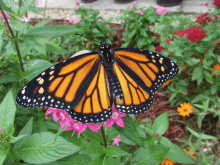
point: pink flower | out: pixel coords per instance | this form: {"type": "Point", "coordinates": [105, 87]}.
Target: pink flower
{"type": "Point", "coordinates": [116, 117]}
{"type": "Point", "coordinates": [160, 10]}
{"type": "Point", "coordinates": [132, 4]}
{"type": "Point", "coordinates": [7, 16]}
{"type": "Point", "coordinates": [169, 39]}
{"type": "Point", "coordinates": [25, 19]}
{"type": "Point", "coordinates": [140, 12]}
{"type": "Point", "coordinates": [151, 28]}
{"type": "Point", "coordinates": [116, 140]}
{"type": "Point", "coordinates": [59, 114]}
{"type": "Point", "coordinates": [77, 4]}
{"type": "Point", "coordinates": [71, 20]}
{"type": "Point", "coordinates": [206, 4]}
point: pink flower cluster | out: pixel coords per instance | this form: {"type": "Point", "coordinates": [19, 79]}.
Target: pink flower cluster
{"type": "Point", "coordinates": [195, 34]}
{"type": "Point", "coordinates": [71, 20]}
{"type": "Point", "coordinates": [67, 123]}
{"type": "Point", "coordinates": [160, 10]}
{"type": "Point", "coordinates": [6, 15]}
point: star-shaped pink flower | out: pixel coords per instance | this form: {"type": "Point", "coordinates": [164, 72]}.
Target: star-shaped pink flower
{"type": "Point", "coordinates": [59, 114]}
{"type": "Point", "coordinates": [25, 19]}
{"type": "Point", "coordinates": [116, 117]}
{"type": "Point", "coordinates": [160, 10]}
{"type": "Point", "coordinates": [116, 140]}
{"type": "Point", "coordinates": [140, 12]}
{"type": "Point", "coordinates": [71, 20]}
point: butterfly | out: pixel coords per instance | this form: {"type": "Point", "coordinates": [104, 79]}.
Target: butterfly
{"type": "Point", "coordinates": [87, 85]}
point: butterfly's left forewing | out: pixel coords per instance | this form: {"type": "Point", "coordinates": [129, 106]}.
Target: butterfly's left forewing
{"type": "Point", "coordinates": [61, 86]}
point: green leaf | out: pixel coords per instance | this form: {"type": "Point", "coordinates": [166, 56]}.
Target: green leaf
{"type": "Point", "coordinates": [50, 31]}
{"type": "Point", "coordinates": [76, 159]}
{"type": "Point", "coordinates": [20, 26]}
{"type": "Point", "coordinates": [209, 137]}
{"type": "Point", "coordinates": [35, 67]}
{"type": "Point", "coordinates": [114, 151]}
{"type": "Point", "coordinates": [34, 9]}
{"type": "Point", "coordinates": [8, 78]}
{"type": "Point", "coordinates": [40, 148]}
{"type": "Point", "coordinates": [15, 139]}
{"type": "Point", "coordinates": [129, 131]}
{"type": "Point", "coordinates": [94, 30]}
{"type": "Point", "coordinates": [7, 113]}
{"type": "Point", "coordinates": [3, 155]}
{"type": "Point", "coordinates": [111, 133]}
{"type": "Point", "coordinates": [161, 123]}
{"type": "Point", "coordinates": [27, 130]}
{"type": "Point", "coordinates": [175, 153]}
{"type": "Point", "coordinates": [193, 132]}
{"type": "Point", "coordinates": [132, 33]}
{"type": "Point", "coordinates": [27, 4]}
{"type": "Point", "coordinates": [151, 155]}
{"type": "Point", "coordinates": [39, 45]}
{"type": "Point", "coordinates": [43, 23]}
{"type": "Point", "coordinates": [94, 136]}
{"type": "Point", "coordinates": [94, 150]}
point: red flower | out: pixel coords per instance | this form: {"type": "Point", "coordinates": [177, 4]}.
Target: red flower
{"type": "Point", "coordinates": [155, 35]}
{"type": "Point", "coordinates": [206, 4]}
{"type": "Point", "coordinates": [180, 33]}
{"type": "Point", "coordinates": [158, 48]}
{"type": "Point", "coordinates": [169, 39]}
{"type": "Point", "coordinates": [216, 3]}
{"type": "Point", "coordinates": [195, 34]}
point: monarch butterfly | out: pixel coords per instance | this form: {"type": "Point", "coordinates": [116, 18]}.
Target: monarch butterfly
{"type": "Point", "coordinates": [86, 86]}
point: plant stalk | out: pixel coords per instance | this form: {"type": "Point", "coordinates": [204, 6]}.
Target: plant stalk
{"type": "Point", "coordinates": [13, 36]}
{"type": "Point", "coordinates": [103, 136]}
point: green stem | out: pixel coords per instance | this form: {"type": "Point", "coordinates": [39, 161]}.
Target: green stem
{"type": "Point", "coordinates": [13, 36]}
{"type": "Point", "coordinates": [103, 136]}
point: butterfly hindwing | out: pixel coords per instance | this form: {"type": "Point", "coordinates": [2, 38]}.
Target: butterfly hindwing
{"type": "Point", "coordinates": [149, 69]}
{"type": "Point", "coordinates": [135, 100]}
{"type": "Point", "coordinates": [95, 106]}
{"type": "Point", "coordinates": [140, 74]}
{"type": "Point", "coordinates": [61, 86]}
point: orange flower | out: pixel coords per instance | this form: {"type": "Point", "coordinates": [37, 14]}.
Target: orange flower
{"type": "Point", "coordinates": [184, 67]}
{"type": "Point", "coordinates": [185, 109]}
{"type": "Point", "coordinates": [216, 67]}
{"type": "Point", "coordinates": [167, 162]}
{"type": "Point", "coordinates": [192, 153]}
{"type": "Point", "coordinates": [167, 83]}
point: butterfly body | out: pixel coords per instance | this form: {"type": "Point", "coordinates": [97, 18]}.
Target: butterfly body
{"type": "Point", "coordinates": [86, 86]}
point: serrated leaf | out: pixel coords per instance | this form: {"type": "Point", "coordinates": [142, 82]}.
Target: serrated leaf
{"type": "Point", "coordinates": [27, 130]}
{"type": "Point", "coordinates": [114, 151]}
{"type": "Point", "coordinates": [51, 31]}
{"type": "Point", "coordinates": [20, 26]}
{"type": "Point", "coordinates": [175, 153]}
{"type": "Point", "coordinates": [40, 148]}
{"type": "Point", "coordinates": [7, 113]}
{"type": "Point", "coordinates": [40, 24]}
{"type": "Point", "coordinates": [3, 155]}
{"type": "Point", "coordinates": [94, 150]}
{"type": "Point", "coordinates": [161, 123]}
{"type": "Point", "coordinates": [151, 155]}
{"type": "Point", "coordinates": [76, 159]}
{"type": "Point", "coordinates": [94, 136]}
{"type": "Point", "coordinates": [34, 9]}
{"type": "Point", "coordinates": [35, 67]}
{"type": "Point", "coordinates": [15, 139]}
{"type": "Point", "coordinates": [129, 131]}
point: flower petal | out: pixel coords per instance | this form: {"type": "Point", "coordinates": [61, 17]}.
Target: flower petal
{"type": "Point", "coordinates": [120, 122]}
{"type": "Point", "coordinates": [109, 123]}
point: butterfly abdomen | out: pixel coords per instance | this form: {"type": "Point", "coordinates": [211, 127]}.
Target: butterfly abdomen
{"type": "Point", "coordinates": [114, 84]}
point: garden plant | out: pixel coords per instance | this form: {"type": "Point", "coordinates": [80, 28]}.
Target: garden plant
{"type": "Point", "coordinates": [43, 135]}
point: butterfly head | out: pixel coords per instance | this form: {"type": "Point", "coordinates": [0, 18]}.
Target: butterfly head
{"type": "Point", "coordinates": [104, 51]}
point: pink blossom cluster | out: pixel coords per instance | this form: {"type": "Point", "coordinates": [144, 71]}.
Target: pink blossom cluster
{"type": "Point", "coordinates": [67, 123]}
{"type": "Point", "coordinates": [204, 19]}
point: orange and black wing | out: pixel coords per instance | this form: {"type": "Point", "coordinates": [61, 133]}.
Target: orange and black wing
{"type": "Point", "coordinates": [95, 106]}
{"type": "Point", "coordinates": [140, 73]}
{"type": "Point", "coordinates": [61, 86]}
